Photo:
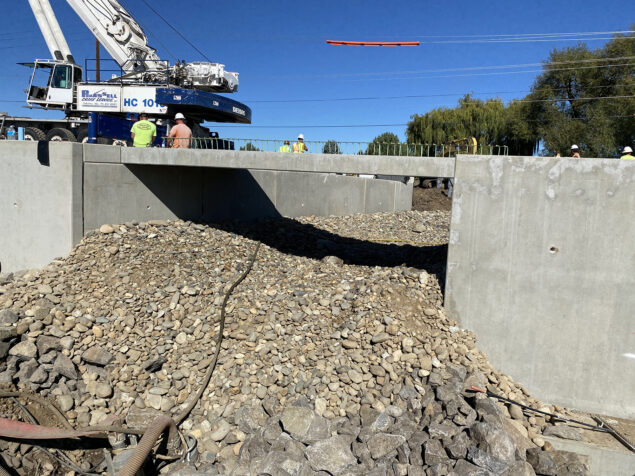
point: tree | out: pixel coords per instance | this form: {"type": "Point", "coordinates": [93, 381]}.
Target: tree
{"type": "Point", "coordinates": [331, 147]}
{"type": "Point", "coordinates": [562, 109]}
{"type": "Point", "coordinates": [484, 120]}
{"type": "Point", "coordinates": [386, 144]}
{"type": "Point", "coordinates": [564, 106]}
{"type": "Point", "coordinates": [521, 135]}
{"type": "Point", "coordinates": [250, 147]}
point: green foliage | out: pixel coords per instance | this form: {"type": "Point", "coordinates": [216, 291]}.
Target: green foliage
{"type": "Point", "coordinates": [386, 144]}
{"type": "Point", "coordinates": [331, 147]}
{"type": "Point", "coordinates": [484, 120]}
{"type": "Point", "coordinates": [562, 113]}
{"type": "Point", "coordinates": [560, 110]}
{"type": "Point", "coordinates": [250, 147]}
{"type": "Point", "coordinates": [521, 135]}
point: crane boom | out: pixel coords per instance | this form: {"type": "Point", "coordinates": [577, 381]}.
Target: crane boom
{"type": "Point", "coordinates": [126, 42]}
{"type": "Point", "coordinates": [118, 33]}
{"type": "Point", "coordinates": [53, 36]}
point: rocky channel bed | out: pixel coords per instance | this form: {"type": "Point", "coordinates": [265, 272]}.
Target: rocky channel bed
{"type": "Point", "coordinates": [338, 358]}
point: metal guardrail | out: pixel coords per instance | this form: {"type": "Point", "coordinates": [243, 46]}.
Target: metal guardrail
{"type": "Point", "coordinates": [344, 147]}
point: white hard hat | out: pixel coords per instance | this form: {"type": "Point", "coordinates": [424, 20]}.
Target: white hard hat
{"type": "Point", "coordinates": [627, 150]}
{"type": "Point", "coordinates": [179, 116]}
{"type": "Point", "coordinates": [574, 147]}
{"type": "Point", "coordinates": [301, 136]}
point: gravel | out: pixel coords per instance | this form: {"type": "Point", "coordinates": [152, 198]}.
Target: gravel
{"type": "Point", "coordinates": [338, 357]}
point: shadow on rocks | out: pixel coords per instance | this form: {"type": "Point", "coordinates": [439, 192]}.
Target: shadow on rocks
{"type": "Point", "coordinates": [301, 239]}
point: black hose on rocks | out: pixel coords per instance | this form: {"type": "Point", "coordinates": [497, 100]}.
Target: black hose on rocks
{"type": "Point", "coordinates": [219, 339]}
{"type": "Point", "coordinates": [158, 426]}
{"type": "Point", "coordinates": [551, 415]}
{"type": "Point", "coordinates": [42, 401]}
{"type": "Point", "coordinates": [154, 431]}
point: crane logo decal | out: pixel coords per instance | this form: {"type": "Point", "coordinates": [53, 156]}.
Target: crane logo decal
{"type": "Point", "coordinates": [104, 99]}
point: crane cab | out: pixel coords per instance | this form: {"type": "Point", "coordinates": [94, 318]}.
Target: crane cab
{"type": "Point", "coordinates": [53, 84]}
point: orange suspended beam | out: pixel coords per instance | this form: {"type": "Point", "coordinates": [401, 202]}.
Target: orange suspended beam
{"type": "Point", "coordinates": [373, 43]}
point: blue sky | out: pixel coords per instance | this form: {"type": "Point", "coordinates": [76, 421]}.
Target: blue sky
{"type": "Point", "coordinates": [279, 48]}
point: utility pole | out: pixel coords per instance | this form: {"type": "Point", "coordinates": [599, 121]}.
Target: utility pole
{"type": "Point", "coordinates": [98, 68]}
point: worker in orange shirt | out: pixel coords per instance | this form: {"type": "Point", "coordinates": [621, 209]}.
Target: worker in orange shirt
{"type": "Point", "coordinates": [180, 135]}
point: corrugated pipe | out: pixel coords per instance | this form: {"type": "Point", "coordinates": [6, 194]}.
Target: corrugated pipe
{"type": "Point", "coordinates": [149, 439]}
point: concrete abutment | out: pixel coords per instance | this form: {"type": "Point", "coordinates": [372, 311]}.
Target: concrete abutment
{"type": "Point", "coordinates": [540, 261]}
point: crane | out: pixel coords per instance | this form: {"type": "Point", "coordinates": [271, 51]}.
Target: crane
{"type": "Point", "coordinates": [126, 42]}
{"type": "Point", "coordinates": [144, 84]}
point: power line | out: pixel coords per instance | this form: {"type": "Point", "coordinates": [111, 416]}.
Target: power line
{"type": "Point", "coordinates": [314, 126]}
{"type": "Point", "coordinates": [520, 35]}
{"type": "Point", "coordinates": [469, 68]}
{"type": "Point", "coordinates": [443, 39]}
{"type": "Point", "coordinates": [585, 118]}
{"type": "Point", "coordinates": [589, 98]}
{"type": "Point", "coordinates": [596, 98]}
{"type": "Point", "coordinates": [522, 40]}
{"type": "Point", "coordinates": [409, 96]}
{"type": "Point", "coordinates": [327, 126]}
{"type": "Point", "coordinates": [21, 35]}
{"type": "Point", "coordinates": [493, 73]}
{"type": "Point", "coordinates": [177, 31]}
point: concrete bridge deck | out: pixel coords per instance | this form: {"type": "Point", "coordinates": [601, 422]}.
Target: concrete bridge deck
{"type": "Point", "coordinates": [256, 160]}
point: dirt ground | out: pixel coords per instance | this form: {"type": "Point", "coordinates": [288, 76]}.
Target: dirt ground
{"type": "Point", "coordinates": [425, 199]}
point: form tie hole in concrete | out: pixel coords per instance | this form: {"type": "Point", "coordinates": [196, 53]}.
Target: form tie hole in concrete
{"type": "Point", "coordinates": [553, 250]}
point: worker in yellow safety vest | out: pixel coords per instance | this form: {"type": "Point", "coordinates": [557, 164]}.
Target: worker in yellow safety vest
{"type": "Point", "coordinates": [285, 147]}
{"type": "Point", "coordinates": [300, 147]}
{"type": "Point", "coordinates": [627, 151]}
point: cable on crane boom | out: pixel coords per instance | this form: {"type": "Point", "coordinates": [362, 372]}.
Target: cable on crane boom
{"type": "Point", "coordinates": [176, 31]}
{"type": "Point", "coordinates": [154, 35]}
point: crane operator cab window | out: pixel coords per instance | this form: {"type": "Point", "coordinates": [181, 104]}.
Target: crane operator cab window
{"type": "Point", "coordinates": [56, 91]}
{"type": "Point", "coordinates": [62, 77]}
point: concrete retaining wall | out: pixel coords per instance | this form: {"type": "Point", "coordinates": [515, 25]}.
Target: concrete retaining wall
{"type": "Point", "coordinates": [40, 202]}
{"type": "Point", "coordinates": [53, 193]}
{"type": "Point", "coordinates": [541, 267]}
{"type": "Point", "coordinates": [118, 193]}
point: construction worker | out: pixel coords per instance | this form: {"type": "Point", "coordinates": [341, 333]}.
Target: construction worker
{"type": "Point", "coordinates": [300, 147]}
{"type": "Point", "coordinates": [180, 135]}
{"type": "Point", "coordinates": [627, 153]}
{"type": "Point", "coordinates": [575, 152]}
{"type": "Point", "coordinates": [143, 132]}
{"type": "Point", "coordinates": [285, 147]}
